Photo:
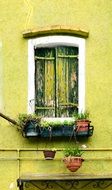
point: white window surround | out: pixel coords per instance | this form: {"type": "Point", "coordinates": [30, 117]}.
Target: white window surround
{"type": "Point", "coordinates": [51, 41]}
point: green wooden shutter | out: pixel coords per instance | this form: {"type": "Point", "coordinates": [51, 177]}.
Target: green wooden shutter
{"type": "Point", "coordinates": [44, 82]}
{"type": "Point", "coordinates": [56, 81]}
{"type": "Point", "coordinates": [67, 62]}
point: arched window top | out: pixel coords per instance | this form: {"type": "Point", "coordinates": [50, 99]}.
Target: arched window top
{"type": "Point", "coordinates": [54, 30]}
{"type": "Point", "coordinates": [36, 58]}
{"type": "Point", "coordinates": [57, 40]}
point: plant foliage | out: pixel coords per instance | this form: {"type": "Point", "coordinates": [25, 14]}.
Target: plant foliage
{"type": "Point", "coordinates": [77, 152]}
{"type": "Point", "coordinates": [24, 119]}
{"type": "Point", "coordinates": [81, 115]}
{"type": "Point", "coordinates": [56, 123]}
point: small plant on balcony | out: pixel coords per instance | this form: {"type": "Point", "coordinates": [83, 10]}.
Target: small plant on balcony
{"type": "Point", "coordinates": [72, 158]}
{"type": "Point", "coordinates": [56, 123]}
{"type": "Point", "coordinates": [29, 124]}
{"type": "Point", "coordinates": [52, 127]}
{"type": "Point", "coordinates": [49, 153]}
{"type": "Point", "coordinates": [82, 121]}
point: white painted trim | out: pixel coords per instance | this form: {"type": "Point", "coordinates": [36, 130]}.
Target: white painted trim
{"type": "Point", "coordinates": [51, 41]}
{"type": "Point", "coordinates": [81, 75]}
{"type": "Point", "coordinates": [31, 75]}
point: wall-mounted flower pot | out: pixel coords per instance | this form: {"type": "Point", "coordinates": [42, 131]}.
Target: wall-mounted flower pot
{"type": "Point", "coordinates": [31, 129]}
{"type": "Point", "coordinates": [82, 124]}
{"type": "Point", "coordinates": [85, 133]}
{"type": "Point", "coordinates": [83, 128]}
{"type": "Point", "coordinates": [73, 163]}
{"type": "Point", "coordinates": [45, 132]}
{"type": "Point", "coordinates": [62, 131]}
{"type": "Point", "coordinates": [49, 154]}
{"type": "Point", "coordinates": [68, 131]}
{"type": "Point", "coordinates": [57, 127]}
{"type": "Point", "coordinates": [59, 131]}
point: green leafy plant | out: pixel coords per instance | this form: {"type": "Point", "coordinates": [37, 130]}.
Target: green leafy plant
{"type": "Point", "coordinates": [73, 151]}
{"type": "Point", "coordinates": [73, 158]}
{"type": "Point", "coordinates": [81, 115]}
{"type": "Point", "coordinates": [57, 123]}
{"type": "Point", "coordinates": [24, 119]}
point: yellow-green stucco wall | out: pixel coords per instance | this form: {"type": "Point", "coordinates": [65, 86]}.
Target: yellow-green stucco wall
{"type": "Point", "coordinates": [94, 16]}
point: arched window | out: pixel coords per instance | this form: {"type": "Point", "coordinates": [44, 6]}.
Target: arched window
{"type": "Point", "coordinates": [56, 75]}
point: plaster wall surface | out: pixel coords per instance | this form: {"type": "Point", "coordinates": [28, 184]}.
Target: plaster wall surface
{"type": "Point", "coordinates": [94, 16]}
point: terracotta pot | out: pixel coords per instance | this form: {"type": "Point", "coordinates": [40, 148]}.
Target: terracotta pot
{"type": "Point", "coordinates": [83, 125]}
{"type": "Point", "coordinates": [73, 163]}
{"type": "Point", "coordinates": [49, 154]}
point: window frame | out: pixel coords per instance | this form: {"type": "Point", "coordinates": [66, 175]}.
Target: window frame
{"type": "Point", "coordinates": [52, 41]}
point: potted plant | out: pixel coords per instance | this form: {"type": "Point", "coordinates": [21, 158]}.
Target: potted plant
{"type": "Point", "coordinates": [57, 127]}
{"type": "Point", "coordinates": [73, 159]}
{"type": "Point", "coordinates": [49, 154]}
{"type": "Point", "coordinates": [29, 124]}
{"type": "Point", "coordinates": [82, 122]}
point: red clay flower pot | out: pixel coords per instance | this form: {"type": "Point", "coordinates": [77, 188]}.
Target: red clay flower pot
{"type": "Point", "coordinates": [49, 154]}
{"type": "Point", "coordinates": [82, 125]}
{"type": "Point", "coordinates": [73, 163]}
